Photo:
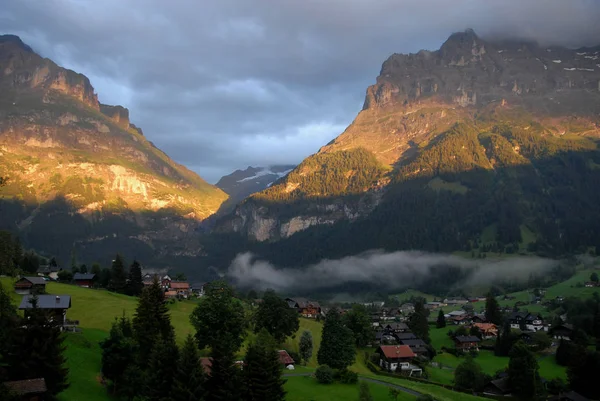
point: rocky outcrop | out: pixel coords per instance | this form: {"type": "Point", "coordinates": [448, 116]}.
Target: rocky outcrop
{"type": "Point", "coordinates": [119, 114]}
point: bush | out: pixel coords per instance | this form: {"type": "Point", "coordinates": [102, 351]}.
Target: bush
{"type": "Point", "coordinates": [324, 374]}
{"type": "Point", "coordinates": [347, 377]}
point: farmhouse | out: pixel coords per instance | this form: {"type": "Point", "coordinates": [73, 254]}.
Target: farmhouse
{"type": "Point", "coordinates": [434, 305]}
{"type": "Point", "coordinates": [393, 357]}
{"type": "Point", "coordinates": [466, 343]}
{"type": "Point", "coordinates": [304, 307]}
{"type": "Point", "coordinates": [85, 280]}
{"type": "Point", "coordinates": [56, 305]}
{"type": "Point", "coordinates": [284, 358]}
{"type": "Point", "coordinates": [591, 284]}
{"type": "Point", "coordinates": [526, 320]}
{"type": "Point", "coordinates": [488, 330]}
{"type": "Point", "coordinates": [563, 331]}
{"type": "Point", "coordinates": [182, 288]}
{"type": "Point", "coordinates": [456, 301]}
{"type": "Point", "coordinates": [455, 313]}
{"type": "Point", "coordinates": [50, 271]}
{"type": "Point", "coordinates": [28, 390]}
{"type": "Point", "coordinates": [30, 285]}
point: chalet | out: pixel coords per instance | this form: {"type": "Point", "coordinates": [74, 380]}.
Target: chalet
{"type": "Point", "coordinates": [284, 358]}
{"type": "Point", "coordinates": [30, 285]}
{"type": "Point", "coordinates": [394, 357]}
{"type": "Point", "coordinates": [28, 390]}
{"type": "Point", "coordinates": [395, 327]}
{"type": "Point", "coordinates": [163, 279]}
{"type": "Point", "coordinates": [56, 305]}
{"type": "Point", "coordinates": [170, 294]}
{"type": "Point", "coordinates": [182, 288]}
{"type": "Point", "coordinates": [304, 307]}
{"type": "Point", "coordinates": [460, 320]}
{"type": "Point", "coordinates": [526, 320]}
{"type": "Point", "coordinates": [487, 330]}
{"type": "Point", "coordinates": [466, 343]}
{"type": "Point", "coordinates": [197, 289]}
{"type": "Point", "coordinates": [417, 346]}
{"type": "Point", "coordinates": [407, 308]}
{"type": "Point", "coordinates": [49, 271]}
{"type": "Point", "coordinates": [563, 331]}
{"type": "Point", "coordinates": [569, 396]}
{"type": "Point", "coordinates": [434, 305]}
{"type": "Point", "coordinates": [455, 313]}
{"type": "Point", "coordinates": [388, 314]}
{"type": "Point", "coordinates": [591, 284]}
{"type": "Point", "coordinates": [85, 280]}
{"type": "Point", "coordinates": [456, 301]}
{"type": "Point", "coordinates": [498, 387]}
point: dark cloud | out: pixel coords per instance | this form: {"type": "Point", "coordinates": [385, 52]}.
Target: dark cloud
{"type": "Point", "coordinates": [221, 84]}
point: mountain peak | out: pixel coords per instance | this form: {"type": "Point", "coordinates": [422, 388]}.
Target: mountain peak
{"type": "Point", "coordinates": [14, 39]}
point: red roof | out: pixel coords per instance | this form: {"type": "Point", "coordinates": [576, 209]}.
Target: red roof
{"type": "Point", "coordinates": [206, 365]}
{"type": "Point", "coordinates": [285, 358]}
{"type": "Point", "coordinates": [397, 351]}
{"type": "Point", "coordinates": [179, 285]}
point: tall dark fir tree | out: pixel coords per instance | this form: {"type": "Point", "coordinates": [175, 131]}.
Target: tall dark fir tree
{"type": "Point", "coordinates": [337, 342]}
{"type": "Point", "coordinates": [190, 377]}
{"type": "Point", "coordinates": [135, 285]}
{"type": "Point", "coordinates": [262, 370]}
{"type": "Point", "coordinates": [118, 276]}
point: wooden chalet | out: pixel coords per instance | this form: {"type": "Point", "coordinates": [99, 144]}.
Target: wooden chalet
{"type": "Point", "coordinates": [85, 280]}
{"type": "Point", "coordinates": [305, 307]}
{"type": "Point", "coordinates": [284, 358]}
{"type": "Point", "coordinates": [30, 285]}
{"type": "Point", "coordinates": [56, 305]}
{"type": "Point", "coordinates": [498, 387]}
{"type": "Point", "coordinates": [466, 343]}
{"type": "Point", "coordinates": [563, 331]}
{"type": "Point", "coordinates": [28, 390]}
{"type": "Point", "coordinates": [487, 330]}
{"type": "Point", "coordinates": [182, 288]}
{"type": "Point", "coordinates": [391, 357]}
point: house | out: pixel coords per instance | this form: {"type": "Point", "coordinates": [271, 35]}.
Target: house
{"type": "Point", "coordinates": [405, 336]}
{"type": "Point", "coordinates": [182, 288]}
{"type": "Point", "coordinates": [393, 357]}
{"type": "Point", "coordinates": [455, 313]}
{"type": "Point", "coordinates": [30, 285]}
{"type": "Point", "coordinates": [498, 387]}
{"type": "Point", "coordinates": [163, 279]}
{"type": "Point", "coordinates": [284, 358]}
{"type": "Point", "coordinates": [531, 322]}
{"type": "Point", "coordinates": [417, 346]}
{"type": "Point", "coordinates": [170, 294]}
{"type": "Point", "coordinates": [591, 284]}
{"type": "Point", "coordinates": [85, 280]}
{"type": "Point", "coordinates": [56, 305]}
{"type": "Point", "coordinates": [563, 331]}
{"type": "Point", "coordinates": [434, 305]}
{"type": "Point", "coordinates": [304, 307]}
{"type": "Point", "coordinates": [395, 327]}
{"type": "Point", "coordinates": [49, 270]}
{"type": "Point", "coordinates": [466, 343]}
{"type": "Point", "coordinates": [197, 289]}
{"type": "Point", "coordinates": [569, 396]}
{"type": "Point", "coordinates": [479, 318]}
{"type": "Point", "coordinates": [487, 330]}
{"type": "Point", "coordinates": [460, 320]}
{"type": "Point", "coordinates": [407, 308]}
{"type": "Point", "coordinates": [389, 314]}
{"type": "Point", "coordinates": [28, 390]}
{"type": "Point", "coordinates": [456, 301]}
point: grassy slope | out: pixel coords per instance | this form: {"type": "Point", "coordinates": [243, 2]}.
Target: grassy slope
{"type": "Point", "coordinates": [305, 388]}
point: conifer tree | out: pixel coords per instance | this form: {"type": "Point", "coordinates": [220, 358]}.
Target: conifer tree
{"type": "Point", "coordinates": [151, 320]}
{"type": "Point", "coordinates": [39, 350]}
{"type": "Point", "coordinates": [276, 316]}
{"type": "Point", "coordinates": [441, 320]}
{"type": "Point", "coordinates": [262, 370]}
{"type": "Point", "coordinates": [492, 310]}
{"type": "Point", "coordinates": [118, 277]}
{"type": "Point", "coordinates": [523, 376]}
{"type": "Point", "coordinates": [9, 321]}
{"type": "Point", "coordinates": [306, 346]}
{"type": "Point", "coordinates": [418, 322]}
{"type": "Point", "coordinates": [161, 368]}
{"type": "Point", "coordinates": [337, 343]}
{"type": "Point", "coordinates": [118, 353]}
{"type": "Point", "coordinates": [189, 381]}
{"type": "Point", "coordinates": [359, 322]}
{"type": "Point", "coordinates": [135, 284]}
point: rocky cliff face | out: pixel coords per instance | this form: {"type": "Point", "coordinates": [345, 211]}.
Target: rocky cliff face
{"type": "Point", "coordinates": [416, 101]}
{"type": "Point", "coordinates": [82, 175]}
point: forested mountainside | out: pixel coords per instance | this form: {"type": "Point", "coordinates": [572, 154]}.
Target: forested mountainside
{"type": "Point", "coordinates": [82, 178]}
{"type": "Point", "coordinates": [477, 146]}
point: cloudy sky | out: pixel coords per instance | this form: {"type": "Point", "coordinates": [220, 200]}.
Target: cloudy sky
{"type": "Point", "coordinates": [223, 84]}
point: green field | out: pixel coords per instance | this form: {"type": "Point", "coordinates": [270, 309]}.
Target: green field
{"type": "Point", "coordinates": [303, 388]}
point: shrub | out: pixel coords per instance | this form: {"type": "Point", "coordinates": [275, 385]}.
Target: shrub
{"type": "Point", "coordinates": [324, 374]}
{"type": "Point", "coordinates": [348, 377]}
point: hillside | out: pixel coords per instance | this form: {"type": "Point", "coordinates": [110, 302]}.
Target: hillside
{"type": "Point", "coordinates": [82, 177]}
{"type": "Point", "coordinates": [475, 146]}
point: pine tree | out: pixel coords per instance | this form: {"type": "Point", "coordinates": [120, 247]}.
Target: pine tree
{"type": "Point", "coordinates": [306, 346]}
{"type": "Point", "coordinates": [135, 284]}
{"type": "Point", "coordinates": [9, 322]}
{"type": "Point", "coordinates": [441, 320]}
{"type": "Point", "coordinates": [161, 368]}
{"type": "Point", "coordinates": [596, 326]}
{"type": "Point", "coordinates": [118, 277]}
{"type": "Point", "coordinates": [262, 370]}
{"type": "Point", "coordinates": [337, 343]}
{"type": "Point", "coordinates": [276, 316]}
{"type": "Point", "coordinates": [418, 322]}
{"type": "Point", "coordinates": [151, 320]}
{"type": "Point", "coordinates": [39, 350]}
{"type": "Point", "coordinates": [468, 375]}
{"type": "Point", "coordinates": [189, 381]}
{"type": "Point", "coordinates": [118, 353]}
{"type": "Point", "coordinates": [359, 322]}
{"type": "Point", "coordinates": [492, 310]}
{"type": "Point", "coordinates": [523, 376]}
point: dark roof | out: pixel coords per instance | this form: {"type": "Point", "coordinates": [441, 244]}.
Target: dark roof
{"type": "Point", "coordinates": [302, 303]}
{"type": "Point", "coordinates": [570, 396]}
{"type": "Point", "coordinates": [397, 326]}
{"type": "Point", "coordinates": [467, 339]}
{"type": "Point", "coordinates": [417, 342]}
{"type": "Point", "coordinates": [47, 302]}
{"type": "Point", "coordinates": [405, 336]}
{"type": "Point", "coordinates": [84, 276]}
{"type": "Point", "coordinates": [48, 269]}
{"type": "Point", "coordinates": [197, 286]}
{"type": "Point", "coordinates": [25, 387]}
{"type": "Point", "coordinates": [501, 385]}
{"type": "Point", "coordinates": [34, 280]}
{"type": "Point", "coordinates": [518, 315]}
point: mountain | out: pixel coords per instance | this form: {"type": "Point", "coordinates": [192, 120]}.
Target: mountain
{"type": "Point", "coordinates": [478, 146]}
{"type": "Point", "coordinates": [83, 179]}
{"type": "Point", "coordinates": [242, 183]}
